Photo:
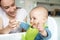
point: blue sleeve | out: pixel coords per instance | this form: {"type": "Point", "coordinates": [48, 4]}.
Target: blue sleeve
{"type": "Point", "coordinates": [41, 37]}
{"type": "Point", "coordinates": [48, 34]}
{"type": "Point", "coordinates": [25, 26]}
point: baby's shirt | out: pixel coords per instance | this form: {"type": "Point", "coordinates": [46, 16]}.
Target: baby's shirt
{"type": "Point", "coordinates": [33, 34]}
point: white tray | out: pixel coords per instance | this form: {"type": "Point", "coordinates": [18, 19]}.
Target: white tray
{"type": "Point", "coordinates": [14, 36]}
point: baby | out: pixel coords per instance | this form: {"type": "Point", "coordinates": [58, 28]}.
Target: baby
{"type": "Point", "coordinates": [38, 20]}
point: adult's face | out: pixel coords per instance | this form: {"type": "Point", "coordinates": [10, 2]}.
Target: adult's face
{"type": "Point", "coordinates": [9, 7]}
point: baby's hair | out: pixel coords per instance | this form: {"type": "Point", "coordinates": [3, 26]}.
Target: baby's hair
{"type": "Point", "coordinates": [40, 7]}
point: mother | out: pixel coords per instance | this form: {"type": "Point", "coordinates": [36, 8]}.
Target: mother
{"type": "Point", "coordinates": [10, 16]}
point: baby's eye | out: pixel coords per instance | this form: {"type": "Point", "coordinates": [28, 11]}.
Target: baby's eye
{"type": "Point", "coordinates": [13, 5]}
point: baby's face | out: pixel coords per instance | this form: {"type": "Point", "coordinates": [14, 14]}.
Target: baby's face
{"type": "Point", "coordinates": [37, 17]}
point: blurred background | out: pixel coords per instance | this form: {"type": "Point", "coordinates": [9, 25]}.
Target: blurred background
{"type": "Point", "coordinates": [53, 7]}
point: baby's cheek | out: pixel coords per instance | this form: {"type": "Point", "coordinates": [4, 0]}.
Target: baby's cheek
{"type": "Point", "coordinates": [41, 21]}
{"type": "Point", "coordinates": [35, 26]}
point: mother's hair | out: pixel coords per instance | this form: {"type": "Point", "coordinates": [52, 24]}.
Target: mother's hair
{"type": "Point", "coordinates": [0, 2]}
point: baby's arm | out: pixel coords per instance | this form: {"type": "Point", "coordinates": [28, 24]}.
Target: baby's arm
{"type": "Point", "coordinates": [48, 33]}
{"type": "Point", "coordinates": [43, 33]}
{"type": "Point", "coordinates": [41, 29]}
{"type": "Point", "coordinates": [40, 36]}
{"type": "Point", "coordinates": [24, 25]}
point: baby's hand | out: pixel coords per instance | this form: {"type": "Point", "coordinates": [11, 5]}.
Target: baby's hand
{"type": "Point", "coordinates": [42, 30]}
{"type": "Point", "coordinates": [40, 27]}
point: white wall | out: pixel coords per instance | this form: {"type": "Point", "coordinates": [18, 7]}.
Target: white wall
{"type": "Point", "coordinates": [29, 4]}
{"type": "Point", "coordinates": [50, 8]}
